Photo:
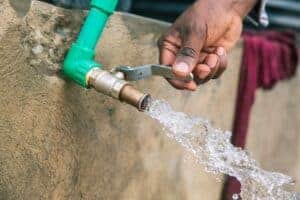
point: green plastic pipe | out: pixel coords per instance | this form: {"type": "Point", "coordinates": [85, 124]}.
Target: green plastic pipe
{"type": "Point", "coordinates": [80, 58]}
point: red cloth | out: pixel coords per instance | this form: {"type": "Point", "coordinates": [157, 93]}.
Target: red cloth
{"type": "Point", "coordinates": [268, 57]}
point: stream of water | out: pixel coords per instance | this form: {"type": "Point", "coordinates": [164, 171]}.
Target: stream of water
{"type": "Point", "coordinates": [212, 148]}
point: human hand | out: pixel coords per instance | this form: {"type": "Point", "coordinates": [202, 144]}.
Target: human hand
{"type": "Point", "coordinates": [198, 40]}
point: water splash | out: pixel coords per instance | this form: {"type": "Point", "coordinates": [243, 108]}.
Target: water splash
{"type": "Point", "coordinates": [212, 148]}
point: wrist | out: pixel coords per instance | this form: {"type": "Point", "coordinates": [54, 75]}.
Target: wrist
{"type": "Point", "coordinates": [240, 7]}
{"type": "Point", "coordinates": [243, 7]}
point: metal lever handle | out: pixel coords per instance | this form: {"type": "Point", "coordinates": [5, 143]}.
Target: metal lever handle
{"type": "Point", "coordinates": [146, 71]}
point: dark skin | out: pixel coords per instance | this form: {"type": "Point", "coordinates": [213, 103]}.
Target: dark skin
{"type": "Point", "coordinates": [199, 39]}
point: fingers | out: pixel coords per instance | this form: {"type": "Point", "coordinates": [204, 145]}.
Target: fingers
{"type": "Point", "coordinates": [181, 85]}
{"type": "Point", "coordinates": [167, 53]}
{"type": "Point", "coordinates": [212, 67]}
{"type": "Point", "coordinates": [221, 52]}
{"type": "Point", "coordinates": [204, 72]}
{"type": "Point", "coordinates": [188, 55]}
{"type": "Point", "coordinates": [212, 61]}
{"type": "Point", "coordinates": [201, 72]}
{"type": "Point", "coordinates": [168, 45]}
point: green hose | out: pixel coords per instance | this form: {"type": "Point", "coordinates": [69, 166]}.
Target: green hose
{"type": "Point", "coordinates": [80, 58]}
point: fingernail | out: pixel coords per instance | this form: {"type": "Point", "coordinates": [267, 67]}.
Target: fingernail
{"type": "Point", "coordinates": [220, 51]}
{"type": "Point", "coordinates": [181, 67]}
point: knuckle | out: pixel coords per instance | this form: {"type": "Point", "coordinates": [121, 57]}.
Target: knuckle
{"type": "Point", "coordinates": [165, 44]}
{"type": "Point", "coordinates": [169, 46]}
{"type": "Point", "coordinates": [189, 52]}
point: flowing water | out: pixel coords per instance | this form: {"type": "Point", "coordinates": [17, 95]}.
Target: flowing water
{"type": "Point", "coordinates": [211, 147]}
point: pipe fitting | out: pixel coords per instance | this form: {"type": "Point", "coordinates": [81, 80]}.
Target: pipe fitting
{"type": "Point", "coordinates": [109, 84]}
{"type": "Point", "coordinates": [81, 56]}
{"type": "Point", "coordinates": [81, 67]}
{"type": "Point", "coordinates": [105, 82]}
{"type": "Point", "coordinates": [135, 98]}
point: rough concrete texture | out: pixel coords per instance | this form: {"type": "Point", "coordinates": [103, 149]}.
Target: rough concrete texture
{"type": "Point", "coordinates": [59, 141]}
{"type": "Point", "coordinates": [274, 138]}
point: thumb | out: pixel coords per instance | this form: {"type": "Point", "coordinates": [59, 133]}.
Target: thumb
{"type": "Point", "coordinates": [188, 56]}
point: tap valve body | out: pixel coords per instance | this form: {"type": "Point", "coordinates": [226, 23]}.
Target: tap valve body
{"type": "Point", "coordinates": [111, 85]}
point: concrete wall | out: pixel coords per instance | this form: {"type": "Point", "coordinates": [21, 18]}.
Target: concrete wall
{"type": "Point", "coordinates": [274, 132]}
{"type": "Point", "coordinates": [59, 141]}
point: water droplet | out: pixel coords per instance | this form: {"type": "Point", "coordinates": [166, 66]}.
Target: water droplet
{"type": "Point", "coordinates": [235, 197]}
